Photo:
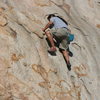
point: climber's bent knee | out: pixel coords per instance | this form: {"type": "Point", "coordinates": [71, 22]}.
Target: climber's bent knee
{"type": "Point", "coordinates": [48, 34]}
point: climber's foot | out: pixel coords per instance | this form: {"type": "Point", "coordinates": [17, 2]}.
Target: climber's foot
{"type": "Point", "coordinates": [70, 53]}
{"type": "Point", "coordinates": [52, 51]}
{"type": "Point", "coordinates": [69, 66]}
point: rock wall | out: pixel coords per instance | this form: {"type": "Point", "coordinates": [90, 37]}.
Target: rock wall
{"type": "Point", "coordinates": [28, 72]}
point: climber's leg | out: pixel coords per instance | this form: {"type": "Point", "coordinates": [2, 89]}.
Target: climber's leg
{"type": "Point", "coordinates": [64, 46]}
{"type": "Point", "coordinates": [50, 38]}
{"type": "Point", "coordinates": [66, 56]}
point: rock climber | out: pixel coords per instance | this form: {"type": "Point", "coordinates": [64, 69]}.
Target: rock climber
{"type": "Point", "coordinates": [58, 30]}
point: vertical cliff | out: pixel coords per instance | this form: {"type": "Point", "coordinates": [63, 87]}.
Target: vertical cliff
{"type": "Point", "coordinates": [28, 72]}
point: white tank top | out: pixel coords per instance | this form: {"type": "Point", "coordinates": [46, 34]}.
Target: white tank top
{"type": "Point", "coordinates": [58, 23]}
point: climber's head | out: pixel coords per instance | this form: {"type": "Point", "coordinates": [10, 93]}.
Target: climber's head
{"type": "Point", "coordinates": [49, 16]}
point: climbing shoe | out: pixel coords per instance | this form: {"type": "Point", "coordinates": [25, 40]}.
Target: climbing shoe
{"type": "Point", "coordinates": [52, 51]}
{"type": "Point", "coordinates": [70, 53]}
{"type": "Point", "coordinates": [69, 66]}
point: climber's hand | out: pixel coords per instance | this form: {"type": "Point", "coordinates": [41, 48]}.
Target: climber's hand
{"type": "Point", "coordinates": [43, 29]}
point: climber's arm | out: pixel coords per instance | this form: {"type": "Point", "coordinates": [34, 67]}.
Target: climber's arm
{"type": "Point", "coordinates": [47, 26]}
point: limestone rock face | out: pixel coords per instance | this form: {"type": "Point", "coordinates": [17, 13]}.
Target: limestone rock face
{"type": "Point", "coordinates": [28, 72]}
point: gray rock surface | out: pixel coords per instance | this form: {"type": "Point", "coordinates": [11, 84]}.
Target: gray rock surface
{"type": "Point", "coordinates": [28, 72]}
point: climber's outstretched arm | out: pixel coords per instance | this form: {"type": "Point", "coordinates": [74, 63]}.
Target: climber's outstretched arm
{"type": "Point", "coordinates": [47, 26]}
